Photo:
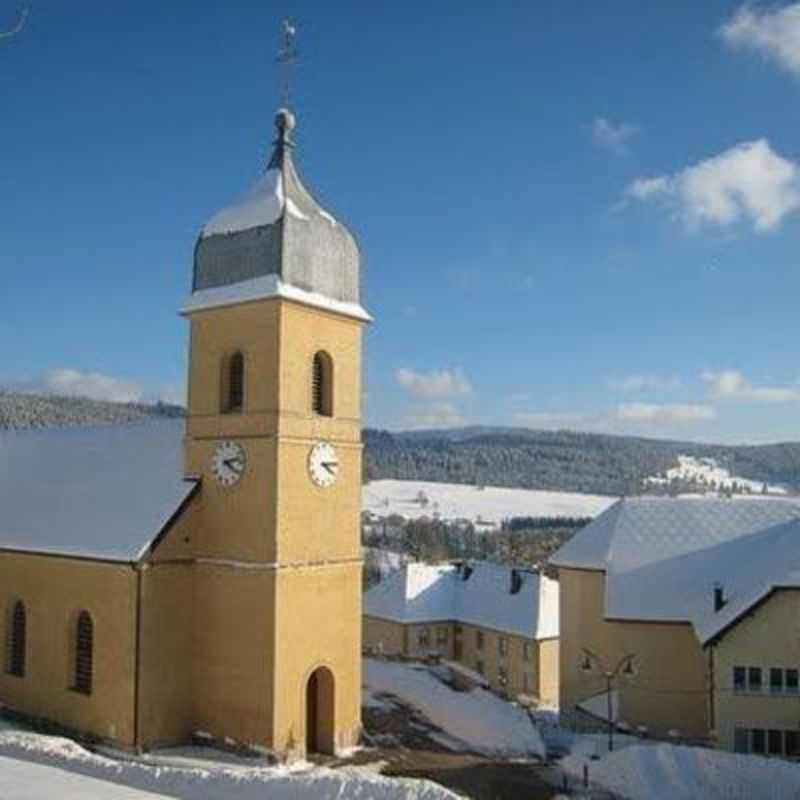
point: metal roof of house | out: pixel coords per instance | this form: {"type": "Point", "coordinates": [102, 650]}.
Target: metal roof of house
{"type": "Point", "coordinates": [103, 492]}
{"type": "Point", "coordinates": [482, 596]}
{"type": "Point", "coordinates": [277, 229]}
{"type": "Point", "coordinates": [663, 556]}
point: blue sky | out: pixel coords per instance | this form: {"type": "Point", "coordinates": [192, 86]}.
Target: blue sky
{"type": "Point", "coordinates": [571, 215]}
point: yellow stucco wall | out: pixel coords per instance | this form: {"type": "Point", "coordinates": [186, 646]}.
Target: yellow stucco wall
{"type": "Point", "coordinates": [766, 638]}
{"type": "Point", "coordinates": [55, 590]}
{"type": "Point", "coordinates": [669, 688]}
{"type": "Point", "coordinates": [383, 636]}
{"type": "Point", "coordinates": [549, 667]}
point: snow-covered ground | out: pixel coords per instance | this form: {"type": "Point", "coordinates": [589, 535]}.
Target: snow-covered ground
{"type": "Point", "coordinates": [669, 772]}
{"type": "Point", "coordinates": [483, 506]}
{"type": "Point", "coordinates": [482, 721]}
{"type": "Point", "coordinates": [53, 767]}
{"type": "Point", "coordinates": [708, 473]}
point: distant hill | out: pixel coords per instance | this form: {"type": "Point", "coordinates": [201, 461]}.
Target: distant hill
{"type": "Point", "coordinates": [562, 460]}
{"type": "Point", "coordinates": [26, 411]}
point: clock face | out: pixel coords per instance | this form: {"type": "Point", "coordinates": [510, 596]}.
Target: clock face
{"type": "Point", "coordinates": [228, 463]}
{"type": "Point", "coordinates": [323, 464]}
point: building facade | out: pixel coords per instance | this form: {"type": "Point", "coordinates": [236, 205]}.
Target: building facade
{"type": "Point", "coordinates": [220, 595]}
{"type": "Point", "coordinates": [498, 622]}
{"type": "Point", "coordinates": [697, 599]}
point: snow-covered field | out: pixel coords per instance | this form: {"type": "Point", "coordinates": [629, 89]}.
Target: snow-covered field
{"type": "Point", "coordinates": [707, 472]}
{"type": "Point", "coordinates": [486, 506]}
{"type": "Point", "coordinates": [37, 766]}
{"type": "Point", "coordinates": [482, 721]}
{"type": "Point", "coordinates": [668, 772]}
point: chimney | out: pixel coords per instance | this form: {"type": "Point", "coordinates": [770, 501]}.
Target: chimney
{"type": "Point", "coordinates": [719, 597]}
{"type": "Point", "coordinates": [516, 581]}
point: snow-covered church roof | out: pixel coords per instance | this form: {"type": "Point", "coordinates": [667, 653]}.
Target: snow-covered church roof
{"type": "Point", "coordinates": [662, 557]}
{"type": "Point", "coordinates": [103, 492]}
{"type": "Point", "coordinates": [276, 240]}
{"type": "Point", "coordinates": [476, 593]}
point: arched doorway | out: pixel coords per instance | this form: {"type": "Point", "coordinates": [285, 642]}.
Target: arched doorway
{"type": "Point", "coordinates": [320, 736]}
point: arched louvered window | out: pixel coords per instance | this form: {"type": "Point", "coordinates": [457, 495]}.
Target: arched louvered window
{"type": "Point", "coordinates": [84, 653]}
{"type": "Point", "coordinates": [15, 640]}
{"type": "Point", "coordinates": [235, 399]}
{"type": "Point", "coordinates": [322, 385]}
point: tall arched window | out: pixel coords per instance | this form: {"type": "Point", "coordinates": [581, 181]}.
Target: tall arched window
{"type": "Point", "coordinates": [235, 395]}
{"type": "Point", "coordinates": [15, 640]}
{"type": "Point", "coordinates": [84, 653]}
{"type": "Point", "coordinates": [322, 384]}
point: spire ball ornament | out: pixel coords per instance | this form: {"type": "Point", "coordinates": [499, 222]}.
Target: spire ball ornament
{"type": "Point", "coordinates": [285, 121]}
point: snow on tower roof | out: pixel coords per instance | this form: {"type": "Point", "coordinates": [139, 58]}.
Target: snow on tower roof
{"type": "Point", "coordinates": [477, 594]}
{"type": "Point", "coordinates": [103, 492]}
{"type": "Point", "coordinates": [663, 557]}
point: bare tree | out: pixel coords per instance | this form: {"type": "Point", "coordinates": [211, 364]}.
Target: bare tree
{"type": "Point", "coordinates": [22, 15]}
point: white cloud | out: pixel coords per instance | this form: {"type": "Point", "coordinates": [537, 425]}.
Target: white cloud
{"type": "Point", "coordinates": [732, 385]}
{"type": "Point", "coordinates": [68, 382]}
{"type": "Point", "coordinates": [624, 417]}
{"type": "Point", "coordinates": [773, 32]}
{"type": "Point", "coordinates": [435, 415]}
{"type": "Point", "coordinates": [747, 182]}
{"type": "Point", "coordinates": [664, 413]}
{"type": "Point", "coordinates": [642, 383]}
{"type": "Point", "coordinates": [615, 137]}
{"type": "Point", "coordinates": [437, 383]}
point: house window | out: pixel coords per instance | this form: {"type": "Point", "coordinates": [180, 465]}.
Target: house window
{"type": "Point", "coordinates": [527, 651]}
{"type": "Point", "coordinates": [776, 680]}
{"type": "Point", "coordinates": [84, 653]}
{"type": "Point", "coordinates": [792, 740]}
{"type": "Point", "coordinates": [527, 682]}
{"type": "Point", "coordinates": [322, 384]}
{"type": "Point", "coordinates": [15, 640]}
{"type": "Point", "coordinates": [775, 742]}
{"type": "Point", "coordinates": [479, 667]}
{"type": "Point", "coordinates": [423, 637]}
{"type": "Point", "coordinates": [442, 635]}
{"type": "Point", "coordinates": [741, 740]}
{"type": "Point", "coordinates": [502, 646]}
{"type": "Point", "coordinates": [502, 676]}
{"type": "Point", "coordinates": [235, 395]}
{"type": "Point", "coordinates": [791, 681]}
{"type": "Point", "coordinates": [458, 650]}
{"type": "Point", "coordinates": [758, 743]}
{"type": "Point", "coordinates": [754, 679]}
{"type": "Point", "coordinates": [479, 640]}
{"type": "Point", "coordinates": [739, 679]}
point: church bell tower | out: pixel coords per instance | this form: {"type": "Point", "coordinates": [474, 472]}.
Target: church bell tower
{"type": "Point", "coordinates": [274, 433]}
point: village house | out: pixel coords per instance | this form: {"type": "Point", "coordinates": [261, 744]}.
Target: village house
{"type": "Point", "coordinates": [694, 604]}
{"type": "Point", "coordinates": [497, 621]}
{"type": "Point", "coordinates": [173, 579]}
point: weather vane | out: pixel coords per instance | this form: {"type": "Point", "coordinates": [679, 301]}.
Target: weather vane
{"type": "Point", "coordinates": [287, 56]}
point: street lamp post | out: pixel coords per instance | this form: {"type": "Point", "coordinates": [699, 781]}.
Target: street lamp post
{"type": "Point", "coordinates": [592, 662]}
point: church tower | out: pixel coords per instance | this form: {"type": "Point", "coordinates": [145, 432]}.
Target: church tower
{"type": "Point", "coordinates": [274, 433]}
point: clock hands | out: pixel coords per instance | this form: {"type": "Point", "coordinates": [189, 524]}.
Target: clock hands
{"type": "Point", "coordinates": [330, 466]}
{"type": "Point", "coordinates": [234, 464]}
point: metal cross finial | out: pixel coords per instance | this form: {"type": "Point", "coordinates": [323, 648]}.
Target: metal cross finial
{"type": "Point", "coordinates": [287, 56]}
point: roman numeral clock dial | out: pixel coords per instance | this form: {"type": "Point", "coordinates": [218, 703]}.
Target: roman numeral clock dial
{"type": "Point", "coordinates": [228, 463]}
{"type": "Point", "coordinates": [323, 464]}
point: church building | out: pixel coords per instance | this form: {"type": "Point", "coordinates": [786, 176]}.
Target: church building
{"type": "Point", "coordinates": [168, 580]}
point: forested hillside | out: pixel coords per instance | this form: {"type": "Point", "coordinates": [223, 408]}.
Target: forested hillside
{"type": "Point", "coordinates": [26, 411]}
{"type": "Point", "coordinates": [560, 460]}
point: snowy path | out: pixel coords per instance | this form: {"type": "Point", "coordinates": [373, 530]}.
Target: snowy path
{"type": "Point", "coordinates": [48, 759]}
{"type": "Point", "coordinates": [21, 780]}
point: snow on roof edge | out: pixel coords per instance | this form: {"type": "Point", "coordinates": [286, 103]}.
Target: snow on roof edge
{"type": "Point", "coordinates": [263, 288]}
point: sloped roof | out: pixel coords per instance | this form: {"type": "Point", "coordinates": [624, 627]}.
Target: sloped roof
{"type": "Point", "coordinates": [663, 556]}
{"type": "Point", "coordinates": [103, 492]}
{"type": "Point", "coordinates": [428, 593]}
